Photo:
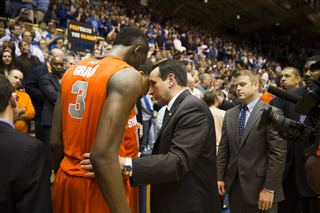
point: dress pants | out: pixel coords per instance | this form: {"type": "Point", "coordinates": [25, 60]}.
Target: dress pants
{"type": "Point", "coordinates": [237, 203]}
{"type": "Point", "coordinates": [47, 131]}
{"type": "Point", "coordinates": [39, 130]}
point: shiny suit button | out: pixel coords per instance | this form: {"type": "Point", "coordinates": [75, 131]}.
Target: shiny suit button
{"type": "Point", "coordinates": [239, 156]}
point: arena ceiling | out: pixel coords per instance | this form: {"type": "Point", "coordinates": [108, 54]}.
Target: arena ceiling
{"type": "Point", "coordinates": [248, 15]}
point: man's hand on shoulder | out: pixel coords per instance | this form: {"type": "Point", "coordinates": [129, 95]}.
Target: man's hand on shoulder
{"type": "Point", "coordinates": [265, 200]}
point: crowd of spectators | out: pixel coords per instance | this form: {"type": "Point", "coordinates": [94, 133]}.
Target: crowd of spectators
{"type": "Point", "coordinates": [211, 56]}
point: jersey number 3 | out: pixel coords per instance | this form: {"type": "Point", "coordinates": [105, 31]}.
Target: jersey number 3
{"type": "Point", "coordinates": [74, 111]}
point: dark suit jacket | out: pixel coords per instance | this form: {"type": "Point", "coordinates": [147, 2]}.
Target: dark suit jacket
{"type": "Point", "coordinates": [25, 174]}
{"type": "Point", "coordinates": [25, 66]}
{"type": "Point", "coordinates": [33, 89]}
{"type": "Point", "coordinates": [182, 167]}
{"type": "Point", "coordinates": [50, 87]}
{"type": "Point", "coordinates": [259, 158]}
{"type": "Point", "coordinates": [236, 101]}
{"type": "Point", "coordinates": [225, 105]}
{"type": "Point", "coordinates": [295, 149]}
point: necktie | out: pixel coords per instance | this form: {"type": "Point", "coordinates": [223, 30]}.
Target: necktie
{"type": "Point", "coordinates": [242, 121]}
{"type": "Point", "coordinates": [165, 114]}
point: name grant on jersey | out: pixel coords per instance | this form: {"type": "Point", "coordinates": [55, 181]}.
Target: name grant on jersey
{"type": "Point", "coordinates": [84, 71]}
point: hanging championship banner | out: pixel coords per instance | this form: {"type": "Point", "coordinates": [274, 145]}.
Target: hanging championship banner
{"type": "Point", "coordinates": [81, 37]}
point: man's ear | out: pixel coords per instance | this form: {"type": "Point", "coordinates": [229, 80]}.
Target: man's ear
{"type": "Point", "coordinates": [13, 100]}
{"type": "Point", "coordinates": [172, 79]}
{"type": "Point", "coordinates": [137, 51]}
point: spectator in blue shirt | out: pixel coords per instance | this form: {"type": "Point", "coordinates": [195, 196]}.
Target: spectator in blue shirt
{"type": "Point", "coordinates": [151, 35]}
{"type": "Point", "coordinates": [66, 14]}
{"type": "Point", "coordinates": [52, 37]}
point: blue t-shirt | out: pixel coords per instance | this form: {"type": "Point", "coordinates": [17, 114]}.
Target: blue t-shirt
{"type": "Point", "coordinates": [97, 25]}
{"type": "Point", "coordinates": [52, 45]}
{"type": "Point", "coordinates": [151, 40]}
{"type": "Point", "coordinates": [64, 14]}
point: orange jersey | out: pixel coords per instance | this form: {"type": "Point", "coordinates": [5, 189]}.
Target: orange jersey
{"type": "Point", "coordinates": [267, 97]}
{"type": "Point", "coordinates": [83, 96]}
{"type": "Point", "coordinates": [83, 90]}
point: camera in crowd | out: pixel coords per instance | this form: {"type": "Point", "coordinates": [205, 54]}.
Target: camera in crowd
{"type": "Point", "coordinates": [307, 105]}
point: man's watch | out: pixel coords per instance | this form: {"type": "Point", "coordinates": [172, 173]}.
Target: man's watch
{"type": "Point", "coordinates": [127, 168]}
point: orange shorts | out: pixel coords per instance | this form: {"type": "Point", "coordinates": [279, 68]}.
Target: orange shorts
{"type": "Point", "coordinates": [82, 195]}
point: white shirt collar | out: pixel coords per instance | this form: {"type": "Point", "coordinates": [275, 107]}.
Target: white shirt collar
{"type": "Point", "coordinates": [173, 100]}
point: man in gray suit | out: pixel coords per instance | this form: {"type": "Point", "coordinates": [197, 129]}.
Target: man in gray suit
{"type": "Point", "coordinates": [250, 163]}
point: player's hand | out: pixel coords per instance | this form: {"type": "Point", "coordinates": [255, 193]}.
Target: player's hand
{"type": "Point", "coordinates": [140, 128]}
{"type": "Point", "coordinates": [155, 114]}
{"type": "Point", "coordinates": [86, 165]}
{"type": "Point", "coordinates": [265, 200]}
{"type": "Point", "coordinates": [221, 187]}
{"type": "Point", "coordinates": [122, 161]}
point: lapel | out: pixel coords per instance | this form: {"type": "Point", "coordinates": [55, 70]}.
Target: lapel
{"type": "Point", "coordinates": [55, 81]}
{"type": "Point", "coordinates": [254, 117]}
{"type": "Point", "coordinates": [173, 109]}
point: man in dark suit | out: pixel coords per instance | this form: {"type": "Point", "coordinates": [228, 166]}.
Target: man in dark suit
{"type": "Point", "coordinates": [25, 180]}
{"type": "Point", "coordinates": [250, 163]}
{"type": "Point", "coordinates": [33, 89]}
{"type": "Point", "coordinates": [223, 104]}
{"type": "Point", "coordinates": [50, 88]}
{"type": "Point", "coordinates": [182, 167]}
{"type": "Point", "coordinates": [298, 194]}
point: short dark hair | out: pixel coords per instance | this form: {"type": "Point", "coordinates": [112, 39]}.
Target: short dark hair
{"type": "Point", "coordinates": [146, 67]}
{"type": "Point", "coordinates": [314, 58]}
{"type": "Point", "coordinates": [175, 67]}
{"type": "Point", "coordinates": [11, 26]}
{"type": "Point", "coordinates": [210, 98]}
{"type": "Point", "coordinates": [26, 31]}
{"type": "Point", "coordinates": [20, 43]}
{"type": "Point", "coordinates": [6, 89]}
{"type": "Point", "coordinates": [129, 36]}
{"type": "Point", "coordinates": [233, 91]}
{"type": "Point", "coordinates": [42, 21]}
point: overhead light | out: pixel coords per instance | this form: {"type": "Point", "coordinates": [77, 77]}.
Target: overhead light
{"type": "Point", "coordinates": [238, 16]}
{"type": "Point", "coordinates": [277, 24]}
{"type": "Point", "coordinates": [205, 1]}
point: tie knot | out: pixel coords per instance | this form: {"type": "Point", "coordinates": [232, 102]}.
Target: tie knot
{"type": "Point", "coordinates": [244, 108]}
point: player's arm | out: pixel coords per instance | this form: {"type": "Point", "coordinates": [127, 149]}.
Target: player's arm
{"type": "Point", "coordinates": [123, 90]}
{"type": "Point", "coordinates": [56, 142]}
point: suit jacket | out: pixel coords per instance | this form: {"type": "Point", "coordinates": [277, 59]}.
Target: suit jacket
{"type": "Point", "coordinates": [50, 87]}
{"type": "Point", "coordinates": [25, 176]}
{"type": "Point", "coordinates": [33, 89]}
{"type": "Point", "coordinates": [295, 149]}
{"type": "Point", "coordinates": [25, 66]}
{"type": "Point", "coordinates": [225, 105]}
{"type": "Point", "coordinates": [236, 101]}
{"type": "Point", "coordinates": [259, 158]}
{"type": "Point", "coordinates": [182, 167]}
